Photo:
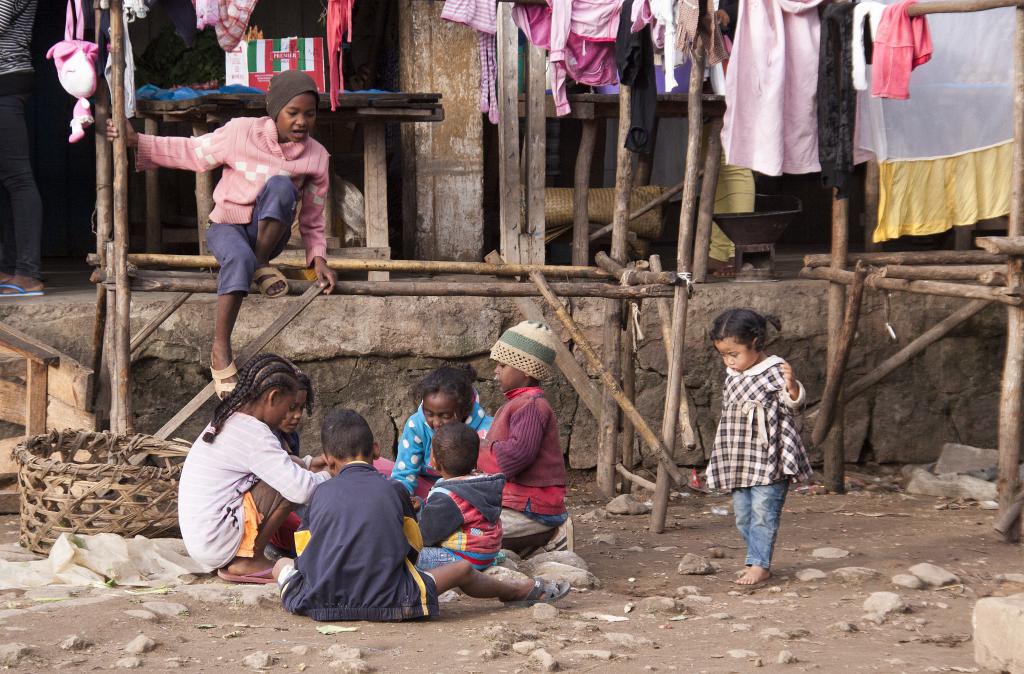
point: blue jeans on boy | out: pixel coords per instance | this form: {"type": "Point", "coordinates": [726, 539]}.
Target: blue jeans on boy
{"type": "Point", "coordinates": [234, 246]}
{"type": "Point", "coordinates": [432, 557]}
{"type": "Point", "coordinates": [758, 510]}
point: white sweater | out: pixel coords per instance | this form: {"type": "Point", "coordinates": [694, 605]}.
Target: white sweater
{"type": "Point", "coordinates": [216, 476]}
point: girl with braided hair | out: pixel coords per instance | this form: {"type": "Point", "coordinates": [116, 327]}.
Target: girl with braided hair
{"type": "Point", "coordinates": [238, 484]}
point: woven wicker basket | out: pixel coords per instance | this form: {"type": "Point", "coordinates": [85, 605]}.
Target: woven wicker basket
{"type": "Point", "coordinates": [84, 482]}
{"type": "Point", "coordinates": [558, 208]}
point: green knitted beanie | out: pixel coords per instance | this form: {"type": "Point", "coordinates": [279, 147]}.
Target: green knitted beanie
{"type": "Point", "coordinates": [528, 347]}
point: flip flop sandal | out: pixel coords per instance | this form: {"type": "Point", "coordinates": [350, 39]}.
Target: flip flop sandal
{"type": "Point", "coordinates": [265, 577]}
{"type": "Point", "coordinates": [543, 592]}
{"type": "Point", "coordinates": [266, 278]}
{"type": "Point", "coordinates": [224, 388]}
{"type": "Point", "coordinates": [18, 291]}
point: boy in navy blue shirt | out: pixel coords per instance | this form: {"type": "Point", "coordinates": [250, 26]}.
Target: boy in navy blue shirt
{"type": "Point", "coordinates": [357, 561]}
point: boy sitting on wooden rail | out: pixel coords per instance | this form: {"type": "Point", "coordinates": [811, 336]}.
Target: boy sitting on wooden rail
{"type": "Point", "coordinates": [357, 560]}
{"type": "Point", "coordinates": [270, 163]}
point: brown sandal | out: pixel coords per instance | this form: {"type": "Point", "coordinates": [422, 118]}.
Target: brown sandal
{"type": "Point", "coordinates": [266, 278]}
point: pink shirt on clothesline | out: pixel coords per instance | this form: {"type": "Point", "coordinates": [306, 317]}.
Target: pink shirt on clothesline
{"type": "Point", "coordinates": [902, 44]}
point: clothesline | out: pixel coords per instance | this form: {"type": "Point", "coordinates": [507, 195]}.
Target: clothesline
{"type": "Point", "coordinates": [957, 6]}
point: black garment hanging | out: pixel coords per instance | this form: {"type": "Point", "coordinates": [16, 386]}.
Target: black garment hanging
{"type": "Point", "coordinates": [634, 58]}
{"type": "Point", "coordinates": [837, 99]}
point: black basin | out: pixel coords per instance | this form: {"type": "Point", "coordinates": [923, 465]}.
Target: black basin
{"type": "Point", "coordinates": [772, 214]}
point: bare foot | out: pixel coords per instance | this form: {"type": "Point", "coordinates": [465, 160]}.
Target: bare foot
{"type": "Point", "coordinates": [244, 566]}
{"type": "Point", "coordinates": [754, 575]}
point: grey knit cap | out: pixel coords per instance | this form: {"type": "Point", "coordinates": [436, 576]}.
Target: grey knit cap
{"type": "Point", "coordinates": [285, 86]}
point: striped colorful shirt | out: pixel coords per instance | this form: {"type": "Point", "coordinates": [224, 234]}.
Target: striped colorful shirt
{"type": "Point", "coordinates": [217, 475]}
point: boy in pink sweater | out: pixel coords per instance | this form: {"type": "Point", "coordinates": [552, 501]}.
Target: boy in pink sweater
{"type": "Point", "coordinates": [269, 163]}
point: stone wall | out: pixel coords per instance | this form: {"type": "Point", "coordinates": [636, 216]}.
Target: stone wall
{"type": "Point", "coordinates": [366, 353]}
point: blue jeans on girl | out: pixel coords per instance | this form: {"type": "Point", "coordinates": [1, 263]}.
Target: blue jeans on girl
{"type": "Point", "coordinates": [758, 510]}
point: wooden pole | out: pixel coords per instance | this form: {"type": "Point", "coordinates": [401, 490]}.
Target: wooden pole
{"type": "Point", "coordinates": [628, 436]}
{"type": "Point", "coordinates": [634, 478]}
{"type": "Point", "coordinates": [204, 193]}
{"type": "Point", "coordinates": [375, 190]}
{"type": "Point", "coordinates": [706, 213]}
{"type": "Point", "coordinates": [985, 274]}
{"type": "Point", "coordinates": [288, 261]}
{"type": "Point", "coordinates": [913, 257]}
{"type": "Point", "coordinates": [1005, 245]}
{"type": "Point", "coordinates": [121, 380]}
{"type": "Point", "coordinates": [250, 350]}
{"type": "Point", "coordinates": [681, 293]}
{"type": "Point", "coordinates": [835, 457]}
{"type": "Point", "coordinates": [608, 424]}
{"type": "Point", "coordinates": [580, 194]}
{"type": "Point", "coordinates": [662, 198]}
{"type": "Point", "coordinates": [154, 228]}
{"type": "Point", "coordinates": [646, 434]}
{"type": "Point", "coordinates": [938, 288]}
{"type": "Point", "coordinates": [1013, 365]}
{"type": "Point", "coordinates": [837, 367]}
{"type": "Point", "coordinates": [104, 225]}
{"type": "Point", "coordinates": [510, 195]}
{"type": "Point", "coordinates": [634, 276]}
{"type": "Point", "coordinates": [872, 194]}
{"type": "Point", "coordinates": [956, 6]}
{"type": "Point", "coordinates": [535, 142]}
{"type": "Point", "coordinates": [149, 328]}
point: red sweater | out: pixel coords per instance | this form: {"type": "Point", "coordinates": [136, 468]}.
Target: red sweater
{"type": "Point", "coordinates": [523, 444]}
{"type": "Point", "coordinates": [250, 153]}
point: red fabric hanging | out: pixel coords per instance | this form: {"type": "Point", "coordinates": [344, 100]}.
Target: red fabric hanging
{"type": "Point", "coordinates": [339, 21]}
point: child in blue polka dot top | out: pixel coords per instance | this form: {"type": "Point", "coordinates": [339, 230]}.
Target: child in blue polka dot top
{"type": "Point", "coordinates": [447, 395]}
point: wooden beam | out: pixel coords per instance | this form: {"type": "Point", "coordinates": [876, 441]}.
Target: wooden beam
{"type": "Point", "coordinates": [938, 288]}
{"type": "Point", "coordinates": [154, 229]}
{"type": "Point", "coordinates": [985, 274]}
{"type": "Point", "coordinates": [35, 399]}
{"type": "Point", "coordinates": [121, 382]}
{"type": "Point", "coordinates": [632, 276]}
{"type": "Point", "coordinates": [837, 367]}
{"type": "Point", "coordinates": [204, 192]}
{"type": "Point", "coordinates": [834, 454]}
{"type": "Point", "coordinates": [872, 194]}
{"type": "Point", "coordinates": [590, 355]}
{"type": "Point", "coordinates": [581, 192]}
{"type": "Point", "coordinates": [634, 478]}
{"type": "Point", "coordinates": [912, 257]}
{"type": "Point", "coordinates": [534, 142]}
{"type": "Point", "coordinates": [510, 195]}
{"type": "Point", "coordinates": [250, 350]}
{"type": "Point", "coordinates": [375, 190]}
{"type": "Point", "coordinates": [708, 190]}
{"type": "Point", "coordinates": [1003, 245]}
{"type": "Point", "coordinates": [958, 6]}
{"type": "Point", "coordinates": [149, 328]}
{"type": "Point", "coordinates": [26, 346]}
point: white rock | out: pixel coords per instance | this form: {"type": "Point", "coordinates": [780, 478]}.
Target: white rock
{"type": "Point", "coordinates": [130, 662]}
{"type": "Point", "coordinates": [786, 658]}
{"type": "Point", "coordinates": [720, 616]}
{"type": "Point", "coordinates": [830, 553]}
{"type": "Point", "coordinates": [544, 660]}
{"type": "Point", "coordinates": [75, 643]}
{"type": "Point", "coordinates": [933, 575]}
{"type": "Point", "coordinates": [625, 504]}
{"type": "Point", "coordinates": [777, 633]}
{"type": "Point", "coordinates": [605, 539]}
{"type": "Point", "coordinates": [148, 616]}
{"type": "Point", "coordinates": [562, 557]}
{"type": "Point", "coordinates": [951, 486]}
{"type": "Point", "coordinates": [905, 580]}
{"type": "Point", "coordinates": [684, 590]}
{"type": "Point", "coordinates": [809, 575]}
{"type": "Point", "coordinates": [1011, 578]}
{"type": "Point", "coordinates": [525, 647]}
{"type": "Point", "coordinates": [956, 458]}
{"type": "Point", "coordinates": [998, 626]}
{"type": "Point", "coordinates": [855, 574]}
{"type": "Point", "coordinates": [350, 666]}
{"type": "Point", "coordinates": [741, 654]}
{"type": "Point", "coordinates": [694, 565]}
{"type": "Point", "coordinates": [739, 627]}
{"type": "Point", "coordinates": [258, 660]}
{"type": "Point", "coordinates": [593, 654]}
{"type": "Point", "coordinates": [594, 515]}
{"type": "Point", "coordinates": [843, 627]}
{"type": "Point", "coordinates": [697, 600]}
{"type": "Point", "coordinates": [885, 604]}
{"type": "Point", "coordinates": [452, 595]}
{"type": "Point", "coordinates": [506, 575]}
{"type": "Point", "coordinates": [627, 640]}
{"type": "Point", "coordinates": [140, 644]}
{"type": "Point", "coordinates": [558, 572]}
{"type": "Point", "coordinates": [168, 609]}
{"type": "Point", "coordinates": [657, 605]}
{"type": "Point", "coordinates": [299, 650]}
{"type": "Point", "coordinates": [342, 652]}
{"type": "Point", "coordinates": [268, 595]}
{"type": "Point", "coordinates": [544, 612]}
{"type": "Point", "coordinates": [13, 654]}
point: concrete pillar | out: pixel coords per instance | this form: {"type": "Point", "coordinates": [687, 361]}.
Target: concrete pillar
{"type": "Point", "coordinates": [443, 169]}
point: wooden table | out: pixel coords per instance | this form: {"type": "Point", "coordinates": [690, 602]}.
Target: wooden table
{"type": "Point", "coordinates": [593, 108]}
{"type": "Point", "coordinates": [370, 110]}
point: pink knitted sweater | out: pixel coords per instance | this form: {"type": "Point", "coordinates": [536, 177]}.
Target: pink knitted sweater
{"type": "Point", "coordinates": [250, 153]}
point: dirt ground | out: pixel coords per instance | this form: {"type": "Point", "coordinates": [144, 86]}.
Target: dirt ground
{"type": "Point", "coordinates": [883, 531]}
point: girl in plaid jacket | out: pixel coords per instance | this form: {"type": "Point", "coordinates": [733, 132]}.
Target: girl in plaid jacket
{"type": "Point", "coordinates": [758, 450]}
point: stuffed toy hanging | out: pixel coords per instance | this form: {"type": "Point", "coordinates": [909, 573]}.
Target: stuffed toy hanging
{"type": "Point", "coordinates": [75, 59]}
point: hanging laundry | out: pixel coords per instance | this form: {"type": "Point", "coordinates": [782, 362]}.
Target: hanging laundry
{"type": "Point", "coordinates": [660, 15]}
{"type": "Point", "coordinates": [232, 20]}
{"type": "Point", "coordinates": [129, 66]}
{"type": "Point", "coordinates": [634, 56]}
{"type": "Point", "coordinates": [901, 44]}
{"type": "Point", "coordinates": [481, 16]}
{"type": "Point", "coordinates": [207, 13]}
{"type": "Point", "coordinates": [690, 23]}
{"type": "Point", "coordinates": [770, 121]}
{"type": "Point", "coordinates": [872, 13]}
{"type": "Point", "coordinates": [339, 21]}
{"type": "Point", "coordinates": [837, 99]}
{"type": "Point", "coordinates": [580, 38]}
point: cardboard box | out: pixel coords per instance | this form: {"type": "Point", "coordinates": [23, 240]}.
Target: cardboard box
{"type": "Point", "coordinates": [254, 63]}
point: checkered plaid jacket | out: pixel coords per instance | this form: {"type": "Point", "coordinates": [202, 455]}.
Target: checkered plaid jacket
{"type": "Point", "coordinates": [758, 441]}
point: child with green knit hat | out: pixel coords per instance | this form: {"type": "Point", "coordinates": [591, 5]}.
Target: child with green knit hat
{"type": "Point", "coordinates": [523, 443]}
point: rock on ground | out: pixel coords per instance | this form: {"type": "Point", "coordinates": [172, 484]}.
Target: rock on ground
{"type": "Point", "coordinates": [558, 572]}
{"type": "Point", "coordinates": [998, 626]}
{"type": "Point", "coordinates": [605, 539]}
{"type": "Point", "coordinates": [950, 486]}
{"type": "Point", "coordinates": [13, 654]}
{"type": "Point", "coordinates": [830, 553]}
{"type": "Point", "coordinates": [907, 581]}
{"type": "Point", "coordinates": [741, 654]}
{"type": "Point", "coordinates": [258, 660]}
{"type": "Point", "coordinates": [1011, 578]}
{"type": "Point", "coordinates": [342, 652]}
{"type": "Point", "coordinates": [168, 609]}
{"type": "Point", "coordinates": [75, 643]}
{"type": "Point", "coordinates": [627, 640]}
{"type": "Point", "coordinates": [956, 458]}
{"type": "Point", "coordinates": [843, 627]}
{"type": "Point", "coordinates": [885, 604]}
{"type": "Point", "coordinates": [786, 658]}
{"type": "Point", "coordinates": [525, 647]}
{"type": "Point", "coordinates": [593, 654]}
{"type": "Point", "coordinates": [933, 575]}
{"type": "Point", "coordinates": [625, 504]}
{"type": "Point", "coordinates": [506, 575]}
{"type": "Point", "coordinates": [246, 595]}
{"type": "Point", "coordinates": [544, 660]}
{"type": "Point", "coordinates": [350, 666]}
{"type": "Point", "coordinates": [131, 662]}
{"type": "Point", "coordinates": [695, 565]}
{"type": "Point", "coordinates": [810, 575]}
{"type": "Point", "coordinates": [299, 650]}
{"type": "Point", "coordinates": [855, 574]}
{"type": "Point", "coordinates": [140, 644]}
{"type": "Point", "coordinates": [777, 633]}
{"type": "Point", "coordinates": [562, 557]}
{"type": "Point", "coordinates": [544, 612]}
{"type": "Point", "coordinates": [142, 615]}
{"type": "Point", "coordinates": [658, 605]}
